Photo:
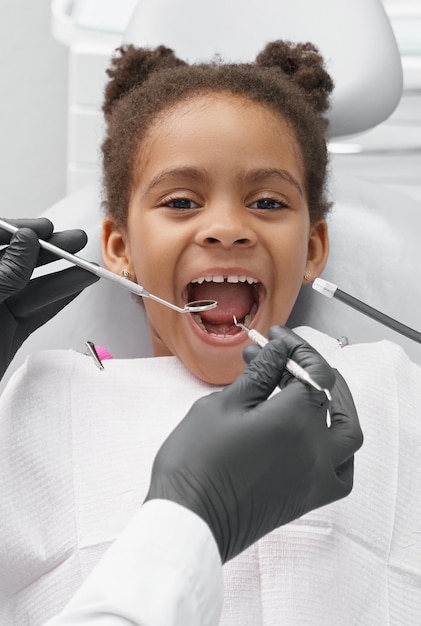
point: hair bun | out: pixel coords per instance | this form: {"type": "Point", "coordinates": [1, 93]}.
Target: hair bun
{"type": "Point", "coordinates": [304, 65]}
{"type": "Point", "coordinates": [131, 66]}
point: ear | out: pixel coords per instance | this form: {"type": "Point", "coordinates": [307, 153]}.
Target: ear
{"type": "Point", "coordinates": [318, 249]}
{"type": "Point", "coordinates": [115, 248]}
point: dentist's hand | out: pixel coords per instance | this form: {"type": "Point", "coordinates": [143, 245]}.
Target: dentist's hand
{"type": "Point", "coordinates": [26, 305]}
{"type": "Point", "coordinates": [247, 465]}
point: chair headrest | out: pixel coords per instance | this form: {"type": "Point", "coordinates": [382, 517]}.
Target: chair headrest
{"type": "Point", "coordinates": [355, 39]}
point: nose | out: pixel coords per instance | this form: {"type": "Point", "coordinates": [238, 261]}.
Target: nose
{"type": "Point", "coordinates": [226, 226]}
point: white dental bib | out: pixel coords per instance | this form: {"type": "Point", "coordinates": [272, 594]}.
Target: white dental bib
{"type": "Point", "coordinates": [77, 446]}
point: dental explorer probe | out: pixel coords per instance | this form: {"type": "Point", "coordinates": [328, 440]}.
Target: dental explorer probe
{"type": "Point", "coordinates": [293, 368]}
{"type": "Point", "coordinates": [191, 307]}
{"type": "Point", "coordinates": [330, 290]}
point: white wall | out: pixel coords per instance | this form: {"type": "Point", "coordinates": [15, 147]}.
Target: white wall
{"type": "Point", "coordinates": [33, 109]}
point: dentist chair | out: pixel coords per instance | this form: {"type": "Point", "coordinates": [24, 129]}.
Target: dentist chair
{"type": "Point", "coordinates": [375, 253]}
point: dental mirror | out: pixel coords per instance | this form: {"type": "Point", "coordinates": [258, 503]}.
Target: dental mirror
{"type": "Point", "coordinates": [196, 306]}
{"type": "Point", "coordinates": [191, 307]}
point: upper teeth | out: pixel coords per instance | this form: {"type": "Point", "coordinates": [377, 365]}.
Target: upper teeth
{"type": "Point", "coordinates": [230, 279]}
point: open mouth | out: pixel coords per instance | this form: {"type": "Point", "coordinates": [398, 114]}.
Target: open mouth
{"type": "Point", "coordinates": [236, 295]}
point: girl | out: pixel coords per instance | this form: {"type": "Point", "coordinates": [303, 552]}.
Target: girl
{"type": "Point", "coordinates": [214, 179]}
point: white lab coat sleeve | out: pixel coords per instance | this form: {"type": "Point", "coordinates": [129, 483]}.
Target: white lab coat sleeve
{"type": "Point", "coordinates": [163, 570]}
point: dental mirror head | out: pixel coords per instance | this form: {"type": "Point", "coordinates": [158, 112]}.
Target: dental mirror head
{"type": "Point", "coordinates": [197, 306]}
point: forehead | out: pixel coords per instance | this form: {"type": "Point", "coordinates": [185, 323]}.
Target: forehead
{"type": "Point", "coordinates": [206, 122]}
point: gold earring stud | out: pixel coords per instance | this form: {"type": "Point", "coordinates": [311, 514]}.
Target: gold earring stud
{"type": "Point", "coordinates": [125, 273]}
{"type": "Point", "coordinates": [307, 275]}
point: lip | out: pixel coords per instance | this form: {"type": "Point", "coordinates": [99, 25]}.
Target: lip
{"type": "Point", "coordinates": [228, 340]}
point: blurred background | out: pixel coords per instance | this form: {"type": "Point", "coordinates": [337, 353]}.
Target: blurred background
{"type": "Point", "coordinates": [53, 57]}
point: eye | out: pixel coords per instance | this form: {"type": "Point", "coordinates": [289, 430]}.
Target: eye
{"type": "Point", "coordinates": [181, 204]}
{"type": "Point", "coordinates": [268, 204]}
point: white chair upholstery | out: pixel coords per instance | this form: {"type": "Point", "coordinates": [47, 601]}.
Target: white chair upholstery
{"type": "Point", "coordinates": [375, 256]}
{"type": "Point", "coordinates": [355, 38]}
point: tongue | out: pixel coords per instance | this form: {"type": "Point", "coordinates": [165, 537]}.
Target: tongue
{"type": "Point", "coordinates": [233, 299]}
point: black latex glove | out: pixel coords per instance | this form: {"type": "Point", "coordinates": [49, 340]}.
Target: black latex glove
{"type": "Point", "coordinates": [246, 465]}
{"type": "Point", "coordinates": [25, 305]}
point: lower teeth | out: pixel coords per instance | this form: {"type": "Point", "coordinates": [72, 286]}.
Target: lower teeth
{"type": "Point", "coordinates": [249, 317]}
{"type": "Point", "coordinates": [246, 321]}
{"type": "Point", "coordinates": [198, 321]}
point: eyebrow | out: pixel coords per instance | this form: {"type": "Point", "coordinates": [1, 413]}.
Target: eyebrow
{"type": "Point", "coordinates": [201, 175]}
{"type": "Point", "coordinates": [259, 175]}
{"type": "Point", "coordinates": [194, 173]}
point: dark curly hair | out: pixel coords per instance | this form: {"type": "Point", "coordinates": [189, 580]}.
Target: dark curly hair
{"type": "Point", "coordinates": [289, 79]}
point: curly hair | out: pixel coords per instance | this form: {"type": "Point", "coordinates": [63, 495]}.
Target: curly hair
{"type": "Point", "coordinates": [288, 78]}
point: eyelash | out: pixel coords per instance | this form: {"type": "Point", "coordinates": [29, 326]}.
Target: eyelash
{"type": "Point", "coordinates": [281, 204]}
{"type": "Point", "coordinates": [167, 202]}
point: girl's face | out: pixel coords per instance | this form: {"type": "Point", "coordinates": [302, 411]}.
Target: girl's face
{"type": "Point", "coordinates": [218, 212]}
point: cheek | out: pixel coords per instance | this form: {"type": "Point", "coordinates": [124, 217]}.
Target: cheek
{"type": "Point", "coordinates": [148, 255]}
{"type": "Point", "coordinates": [153, 246]}
{"type": "Point", "coordinates": [289, 255]}
{"type": "Point", "coordinates": [289, 261]}
{"type": "Point", "coordinates": [140, 258]}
